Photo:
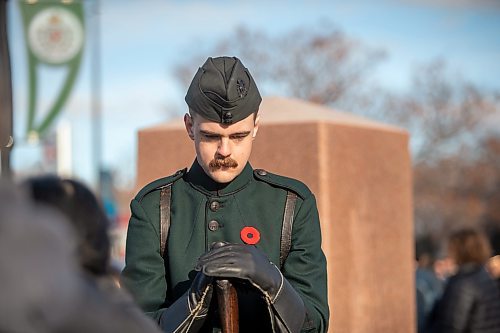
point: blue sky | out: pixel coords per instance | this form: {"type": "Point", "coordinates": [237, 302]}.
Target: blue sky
{"type": "Point", "coordinates": [142, 41]}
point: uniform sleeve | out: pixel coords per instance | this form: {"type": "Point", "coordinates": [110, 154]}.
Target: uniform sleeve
{"type": "Point", "coordinates": [144, 272]}
{"type": "Point", "coordinates": [305, 266]}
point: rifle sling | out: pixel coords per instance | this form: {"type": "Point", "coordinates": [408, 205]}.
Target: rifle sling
{"type": "Point", "coordinates": [165, 196]}
{"type": "Point", "coordinates": [286, 228]}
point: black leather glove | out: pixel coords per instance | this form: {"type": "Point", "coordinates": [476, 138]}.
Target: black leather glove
{"type": "Point", "coordinates": [188, 313]}
{"type": "Point", "coordinates": [249, 263]}
{"type": "Point", "coordinates": [243, 262]}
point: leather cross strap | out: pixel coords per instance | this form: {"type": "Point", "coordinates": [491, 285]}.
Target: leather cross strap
{"type": "Point", "coordinates": [286, 228]}
{"type": "Point", "coordinates": [165, 196]}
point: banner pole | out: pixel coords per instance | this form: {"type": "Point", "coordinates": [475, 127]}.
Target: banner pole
{"type": "Point", "coordinates": [96, 94]}
{"type": "Point", "coordinates": [6, 112]}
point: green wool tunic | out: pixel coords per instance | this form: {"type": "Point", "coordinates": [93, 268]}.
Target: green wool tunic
{"type": "Point", "coordinates": [203, 212]}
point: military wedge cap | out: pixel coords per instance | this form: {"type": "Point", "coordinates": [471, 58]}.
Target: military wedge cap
{"type": "Point", "coordinates": [223, 91]}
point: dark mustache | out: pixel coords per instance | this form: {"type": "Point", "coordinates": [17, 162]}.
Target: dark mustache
{"type": "Point", "coordinates": [227, 162]}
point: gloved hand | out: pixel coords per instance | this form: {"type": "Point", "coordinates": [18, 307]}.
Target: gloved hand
{"type": "Point", "coordinates": [188, 313]}
{"type": "Point", "coordinates": [249, 263]}
{"type": "Point", "coordinates": [200, 293]}
{"type": "Point", "coordinates": [244, 262]}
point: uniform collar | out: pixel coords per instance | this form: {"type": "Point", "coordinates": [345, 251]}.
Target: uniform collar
{"type": "Point", "coordinates": [197, 178]}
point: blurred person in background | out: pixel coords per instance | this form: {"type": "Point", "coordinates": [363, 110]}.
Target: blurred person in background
{"type": "Point", "coordinates": [494, 268]}
{"type": "Point", "coordinates": [428, 286]}
{"type": "Point", "coordinates": [444, 266]}
{"type": "Point", "coordinates": [471, 299]}
{"type": "Point", "coordinates": [86, 217]}
{"type": "Point", "coordinates": [494, 262]}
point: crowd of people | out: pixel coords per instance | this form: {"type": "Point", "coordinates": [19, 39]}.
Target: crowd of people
{"type": "Point", "coordinates": [458, 291]}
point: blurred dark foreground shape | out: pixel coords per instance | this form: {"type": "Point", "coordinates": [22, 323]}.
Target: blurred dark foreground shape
{"type": "Point", "coordinates": [42, 285]}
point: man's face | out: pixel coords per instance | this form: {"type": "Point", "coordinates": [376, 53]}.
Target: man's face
{"type": "Point", "coordinates": [222, 150]}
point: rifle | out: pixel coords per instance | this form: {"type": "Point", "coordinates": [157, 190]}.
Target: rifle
{"type": "Point", "coordinates": [228, 306]}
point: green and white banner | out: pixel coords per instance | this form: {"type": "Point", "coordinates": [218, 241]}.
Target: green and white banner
{"type": "Point", "coordinates": [55, 36]}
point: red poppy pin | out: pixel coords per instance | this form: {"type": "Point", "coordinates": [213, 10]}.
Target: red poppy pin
{"type": "Point", "coordinates": [250, 235]}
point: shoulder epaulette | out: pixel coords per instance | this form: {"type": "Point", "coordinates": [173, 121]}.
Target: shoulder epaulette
{"type": "Point", "coordinates": [291, 184]}
{"type": "Point", "coordinates": [159, 183]}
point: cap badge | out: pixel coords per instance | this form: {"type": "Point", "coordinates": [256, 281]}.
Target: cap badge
{"type": "Point", "coordinates": [241, 88]}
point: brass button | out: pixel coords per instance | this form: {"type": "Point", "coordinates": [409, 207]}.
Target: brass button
{"type": "Point", "coordinates": [214, 206]}
{"type": "Point", "coordinates": [261, 172]}
{"type": "Point", "coordinates": [213, 225]}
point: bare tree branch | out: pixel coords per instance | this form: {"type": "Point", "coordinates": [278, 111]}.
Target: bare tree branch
{"type": "Point", "coordinates": [318, 64]}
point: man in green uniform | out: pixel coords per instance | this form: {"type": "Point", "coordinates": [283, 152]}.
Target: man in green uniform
{"type": "Point", "coordinates": [224, 220]}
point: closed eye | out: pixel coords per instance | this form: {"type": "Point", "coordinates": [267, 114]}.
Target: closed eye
{"type": "Point", "coordinates": [239, 136]}
{"type": "Point", "coordinates": [209, 136]}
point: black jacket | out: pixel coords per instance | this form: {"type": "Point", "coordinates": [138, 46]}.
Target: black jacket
{"type": "Point", "coordinates": [470, 303]}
